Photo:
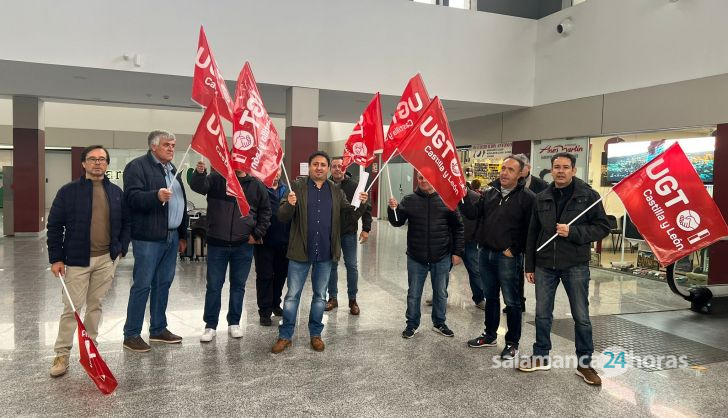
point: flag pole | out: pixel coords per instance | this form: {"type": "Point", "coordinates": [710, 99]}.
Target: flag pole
{"type": "Point", "coordinates": [380, 170]}
{"type": "Point", "coordinates": [181, 162]}
{"type": "Point", "coordinates": [391, 193]}
{"type": "Point", "coordinates": [288, 181]}
{"type": "Point", "coordinates": [575, 218]}
{"type": "Point", "coordinates": [63, 282]}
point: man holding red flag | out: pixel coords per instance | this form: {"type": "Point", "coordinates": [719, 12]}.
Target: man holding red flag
{"type": "Point", "coordinates": [88, 231]}
{"type": "Point", "coordinates": [565, 260]}
{"type": "Point", "coordinates": [230, 239]}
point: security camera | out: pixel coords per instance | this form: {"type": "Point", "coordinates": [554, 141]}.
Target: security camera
{"type": "Point", "coordinates": [564, 27]}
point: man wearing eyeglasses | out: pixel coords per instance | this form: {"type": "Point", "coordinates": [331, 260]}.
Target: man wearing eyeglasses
{"type": "Point", "coordinates": [158, 205]}
{"type": "Point", "coordinates": [88, 230]}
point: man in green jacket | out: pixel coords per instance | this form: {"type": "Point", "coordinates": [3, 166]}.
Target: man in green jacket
{"type": "Point", "coordinates": [316, 209]}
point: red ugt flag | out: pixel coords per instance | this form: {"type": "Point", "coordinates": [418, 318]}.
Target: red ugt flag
{"type": "Point", "coordinates": [210, 141]}
{"type": "Point", "coordinates": [670, 207]}
{"type": "Point", "coordinates": [430, 148]}
{"type": "Point", "coordinates": [92, 362]}
{"type": "Point", "coordinates": [367, 137]}
{"type": "Point", "coordinates": [411, 106]}
{"type": "Point", "coordinates": [256, 144]}
{"type": "Point", "coordinates": [207, 82]}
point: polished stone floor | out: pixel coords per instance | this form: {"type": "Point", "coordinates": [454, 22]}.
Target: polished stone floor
{"type": "Point", "coordinates": [367, 369]}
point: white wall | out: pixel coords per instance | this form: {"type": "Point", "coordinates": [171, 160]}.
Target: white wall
{"type": "Point", "coordinates": [618, 45]}
{"type": "Point", "coordinates": [347, 45]}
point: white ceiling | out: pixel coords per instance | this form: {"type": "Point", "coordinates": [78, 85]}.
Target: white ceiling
{"type": "Point", "coordinates": [137, 89]}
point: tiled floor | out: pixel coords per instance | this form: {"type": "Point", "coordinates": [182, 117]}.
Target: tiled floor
{"type": "Point", "coordinates": [367, 369]}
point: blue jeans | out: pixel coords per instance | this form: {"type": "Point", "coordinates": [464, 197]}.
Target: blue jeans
{"type": "Point", "coordinates": [218, 258]}
{"type": "Point", "coordinates": [576, 284]}
{"type": "Point", "coordinates": [348, 248]}
{"type": "Point", "coordinates": [154, 264]}
{"type": "Point", "coordinates": [297, 273]}
{"type": "Point", "coordinates": [500, 274]}
{"type": "Point", "coordinates": [439, 276]}
{"type": "Point", "coordinates": [471, 265]}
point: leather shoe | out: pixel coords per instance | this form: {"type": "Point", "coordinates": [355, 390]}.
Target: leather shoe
{"type": "Point", "coordinates": [331, 304]}
{"type": "Point", "coordinates": [280, 345]}
{"type": "Point", "coordinates": [317, 344]}
{"type": "Point", "coordinates": [353, 307]}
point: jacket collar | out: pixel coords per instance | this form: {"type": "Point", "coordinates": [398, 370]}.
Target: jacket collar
{"type": "Point", "coordinates": [154, 161]}
{"type": "Point", "coordinates": [581, 188]}
{"type": "Point", "coordinates": [105, 180]}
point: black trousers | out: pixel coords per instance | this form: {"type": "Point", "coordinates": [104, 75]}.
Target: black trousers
{"type": "Point", "coordinates": [271, 269]}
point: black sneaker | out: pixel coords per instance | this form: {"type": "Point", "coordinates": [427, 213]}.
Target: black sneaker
{"type": "Point", "coordinates": [442, 329]}
{"type": "Point", "coordinates": [166, 337]}
{"type": "Point", "coordinates": [510, 351]}
{"type": "Point", "coordinates": [136, 344]}
{"type": "Point", "coordinates": [482, 341]}
{"type": "Point", "coordinates": [277, 311]}
{"type": "Point", "coordinates": [409, 332]}
{"type": "Point", "coordinates": [266, 321]}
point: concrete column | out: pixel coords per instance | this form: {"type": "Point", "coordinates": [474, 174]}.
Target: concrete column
{"type": "Point", "coordinates": [302, 109]}
{"type": "Point", "coordinates": [718, 267]}
{"type": "Point", "coordinates": [29, 165]}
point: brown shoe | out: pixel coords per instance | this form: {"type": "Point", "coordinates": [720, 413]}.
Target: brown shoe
{"type": "Point", "coordinates": [166, 337]}
{"type": "Point", "coordinates": [136, 344]}
{"type": "Point", "coordinates": [589, 375]}
{"type": "Point", "coordinates": [353, 307]}
{"type": "Point", "coordinates": [317, 344]}
{"type": "Point", "coordinates": [280, 345]}
{"type": "Point", "coordinates": [331, 304]}
{"type": "Point", "coordinates": [60, 366]}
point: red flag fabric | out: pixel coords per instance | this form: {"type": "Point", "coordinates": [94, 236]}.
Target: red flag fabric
{"type": "Point", "coordinates": [207, 82]}
{"type": "Point", "coordinates": [367, 136]}
{"type": "Point", "coordinates": [92, 362]}
{"type": "Point", "coordinates": [430, 148]}
{"type": "Point", "coordinates": [670, 207]}
{"type": "Point", "coordinates": [256, 144]}
{"type": "Point", "coordinates": [411, 106]}
{"type": "Point", "coordinates": [210, 141]}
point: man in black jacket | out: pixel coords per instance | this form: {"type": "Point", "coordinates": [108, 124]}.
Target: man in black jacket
{"type": "Point", "coordinates": [271, 263]}
{"type": "Point", "coordinates": [88, 230]}
{"type": "Point", "coordinates": [230, 240]}
{"type": "Point", "coordinates": [503, 213]}
{"type": "Point", "coordinates": [435, 242]}
{"type": "Point", "coordinates": [157, 202]}
{"type": "Point", "coordinates": [564, 259]}
{"type": "Point", "coordinates": [348, 241]}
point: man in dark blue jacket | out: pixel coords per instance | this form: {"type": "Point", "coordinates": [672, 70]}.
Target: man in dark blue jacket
{"type": "Point", "coordinates": [271, 263]}
{"type": "Point", "coordinates": [157, 202]}
{"type": "Point", "coordinates": [88, 230]}
{"type": "Point", "coordinates": [230, 241]}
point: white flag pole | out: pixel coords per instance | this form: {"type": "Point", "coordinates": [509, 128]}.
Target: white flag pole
{"type": "Point", "coordinates": [63, 282]}
{"type": "Point", "coordinates": [391, 193]}
{"type": "Point", "coordinates": [577, 217]}
{"type": "Point", "coordinates": [181, 162]}
{"type": "Point", "coordinates": [380, 170]}
{"type": "Point", "coordinates": [285, 173]}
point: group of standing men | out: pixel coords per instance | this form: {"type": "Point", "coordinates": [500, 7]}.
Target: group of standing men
{"type": "Point", "coordinates": [92, 222]}
{"type": "Point", "coordinates": [289, 232]}
{"type": "Point", "coordinates": [509, 222]}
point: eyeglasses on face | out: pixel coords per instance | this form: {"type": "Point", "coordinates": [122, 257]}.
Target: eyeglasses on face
{"type": "Point", "coordinates": [93, 160]}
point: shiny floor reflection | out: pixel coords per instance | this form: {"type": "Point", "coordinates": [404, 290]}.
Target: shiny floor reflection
{"type": "Point", "coordinates": [367, 369]}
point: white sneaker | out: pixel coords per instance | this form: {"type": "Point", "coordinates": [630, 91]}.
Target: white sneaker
{"type": "Point", "coordinates": [235, 331]}
{"type": "Point", "coordinates": [208, 335]}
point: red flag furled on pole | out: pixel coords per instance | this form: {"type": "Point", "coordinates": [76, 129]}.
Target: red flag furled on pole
{"type": "Point", "coordinates": [667, 202]}
{"type": "Point", "coordinates": [207, 82]}
{"type": "Point", "coordinates": [256, 144]}
{"type": "Point", "coordinates": [411, 106]}
{"type": "Point", "coordinates": [430, 148]}
{"type": "Point", "coordinates": [210, 141]}
{"type": "Point", "coordinates": [367, 136]}
{"type": "Point", "coordinates": [92, 362]}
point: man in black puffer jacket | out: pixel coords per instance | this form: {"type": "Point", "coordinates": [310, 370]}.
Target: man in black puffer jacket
{"type": "Point", "coordinates": [565, 259]}
{"type": "Point", "coordinates": [230, 240]}
{"type": "Point", "coordinates": [435, 241]}
{"type": "Point", "coordinates": [503, 214]}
